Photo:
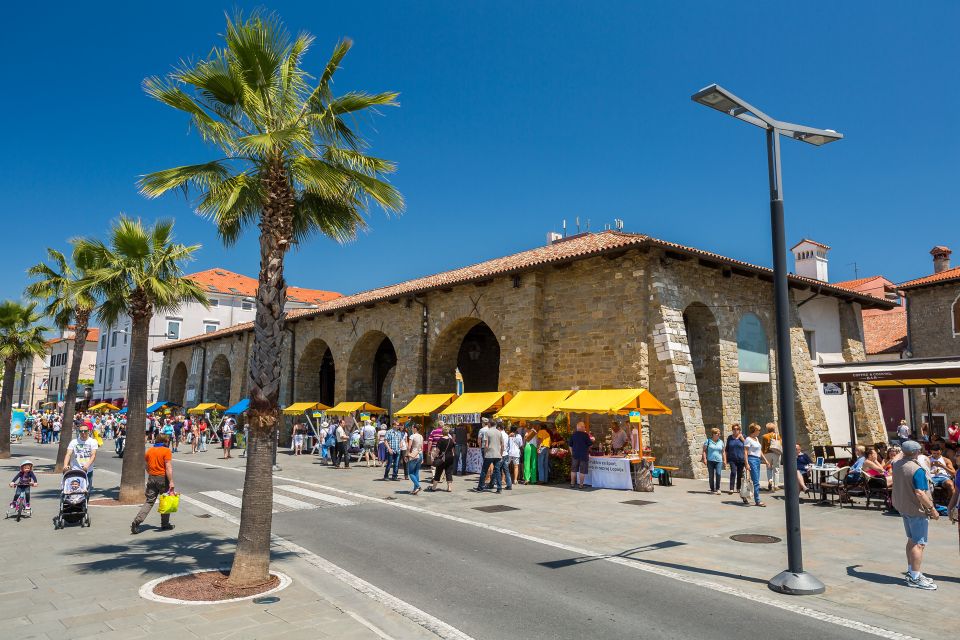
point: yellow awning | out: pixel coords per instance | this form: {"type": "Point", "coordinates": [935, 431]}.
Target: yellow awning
{"type": "Point", "coordinates": [426, 404]}
{"type": "Point", "coordinates": [299, 408]}
{"type": "Point", "coordinates": [206, 406]}
{"type": "Point", "coordinates": [482, 402]}
{"type": "Point", "coordinates": [532, 405]}
{"type": "Point", "coordinates": [613, 402]}
{"type": "Point", "coordinates": [345, 408]}
{"type": "Point", "coordinates": [103, 406]}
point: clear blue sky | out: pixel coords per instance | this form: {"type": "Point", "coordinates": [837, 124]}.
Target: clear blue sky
{"type": "Point", "coordinates": [514, 116]}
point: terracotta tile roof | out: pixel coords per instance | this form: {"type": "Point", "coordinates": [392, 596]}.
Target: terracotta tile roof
{"type": "Point", "coordinates": [565, 250]}
{"type": "Point", "coordinates": [885, 332]}
{"type": "Point", "coordinates": [819, 244]}
{"type": "Point", "coordinates": [229, 283]}
{"type": "Point", "coordinates": [93, 334]}
{"type": "Point", "coordinates": [855, 285]}
{"type": "Point", "coordinates": [936, 278]}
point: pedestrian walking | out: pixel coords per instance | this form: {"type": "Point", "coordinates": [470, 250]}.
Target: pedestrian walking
{"type": "Point", "coordinates": [461, 437]}
{"type": "Point", "coordinates": [403, 451]}
{"type": "Point", "coordinates": [368, 440]}
{"type": "Point", "coordinates": [544, 439]}
{"type": "Point", "coordinates": [392, 440]}
{"type": "Point", "coordinates": [298, 430]}
{"type": "Point", "coordinates": [514, 447]}
{"type": "Point", "coordinates": [492, 446]}
{"type": "Point", "coordinates": [502, 468]}
{"type": "Point", "coordinates": [530, 457]}
{"type": "Point", "coordinates": [414, 457]}
{"type": "Point", "coordinates": [227, 441]}
{"type": "Point", "coordinates": [715, 457]}
{"type": "Point", "coordinates": [159, 481]}
{"type": "Point", "coordinates": [903, 431]}
{"type": "Point", "coordinates": [81, 454]}
{"type": "Point", "coordinates": [444, 460]}
{"type": "Point", "coordinates": [772, 448]}
{"type": "Point", "coordinates": [342, 453]}
{"type": "Point", "coordinates": [912, 498]}
{"type": "Point", "coordinates": [755, 456]}
{"type": "Point", "coordinates": [579, 444]}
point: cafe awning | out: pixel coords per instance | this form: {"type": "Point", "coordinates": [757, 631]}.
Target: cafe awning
{"type": "Point", "coordinates": [346, 408]}
{"type": "Point", "coordinates": [161, 404]}
{"type": "Point", "coordinates": [477, 402]}
{"type": "Point", "coordinates": [206, 406]}
{"type": "Point", "coordinates": [299, 408]}
{"type": "Point", "coordinates": [613, 402]}
{"type": "Point", "coordinates": [238, 408]}
{"type": "Point", "coordinates": [916, 373]}
{"type": "Point", "coordinates": [533, 405]}
{"type": "Point", "coordinates": [104, 406]}
{"type": "Point", "coordinates": [426, 404]}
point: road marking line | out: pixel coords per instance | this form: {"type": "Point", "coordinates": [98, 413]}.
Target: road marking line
{"type": "Point", "coordinates": [233, 501]}
{"type": "Point", "coordinates": [316, 495]}
{"type": "Point", "coordinates": [292, 502]}
{"type": "Point", "coordinates": [369, 625]}
{"type": "Point", "coordinates": [822, 616]}
{"type": "Point", "coordinates": [430, 623]}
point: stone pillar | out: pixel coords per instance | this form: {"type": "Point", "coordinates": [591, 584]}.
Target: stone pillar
{"type": "Point", "coordinates": [810, 420]}
{"type": "Point", "coordinates": [867, 416]}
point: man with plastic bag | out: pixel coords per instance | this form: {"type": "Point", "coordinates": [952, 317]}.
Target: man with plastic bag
{"type": "Point", "coordinates": [159, 484]}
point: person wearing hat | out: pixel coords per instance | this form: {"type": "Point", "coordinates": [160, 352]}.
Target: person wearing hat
{"type": "Point", "coordinates": [24, 479]}
{"type": "Point", "coordinates": [912, 498]}
{"type": "Point", "coordinates": [81, 453]}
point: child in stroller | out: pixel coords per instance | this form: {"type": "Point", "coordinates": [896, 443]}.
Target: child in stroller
{"type": "Point", "coordinates": [74, 494]}
{"type": "Point", "coordinates": [24, 479]}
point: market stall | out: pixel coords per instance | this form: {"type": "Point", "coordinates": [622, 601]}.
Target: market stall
{"type": "Point", "coordinates": [616, 470]}
{"type": "Point", "coordinates": [350, 408]}
{"type": "Point", "coordinates": [236, 410]}
{"type": "Point", "coordinates": [468, 409]}
{"type": "Point", "coordinates": [308, 409]}
{"type": "Point", "coordinates": [103, 407]}
{"type": "Point", "coordinates": [203, 409]}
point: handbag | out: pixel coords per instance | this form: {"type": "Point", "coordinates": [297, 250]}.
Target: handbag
{"type": "Point", "coordinates": [775, 445]}
{"type": "Point", "coordinates": [746, 488]}
{"type": "Point", "coordinates": [169, 503]}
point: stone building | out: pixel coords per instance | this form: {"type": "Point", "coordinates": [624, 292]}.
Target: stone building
{"type": "Point", "coordinates": [933, 330]}
{"type": "Point", "coordinates": [596, 310]}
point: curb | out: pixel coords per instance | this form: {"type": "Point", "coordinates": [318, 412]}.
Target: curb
{"type": "Point", "coordinates": [146, 591]}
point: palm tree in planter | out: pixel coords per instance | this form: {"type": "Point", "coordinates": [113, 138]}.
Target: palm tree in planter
{"type": "Point", "coordinates": [138, 271]}
{"type": "Point", "coordinates": [21, 338]}
{"type": "Point", "coordinates": [68, 302]}
{"type": "Point", "coordinates": [291, 165]}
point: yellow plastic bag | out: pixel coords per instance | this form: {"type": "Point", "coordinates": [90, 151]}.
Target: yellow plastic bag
{"type": "Point", "coordinates": [96, 434]}
{"type": "Point", "coordinates": [169, 502]}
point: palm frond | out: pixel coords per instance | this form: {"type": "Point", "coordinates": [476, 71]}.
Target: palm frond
{"type": "Point", "coordinates": [198, 176]}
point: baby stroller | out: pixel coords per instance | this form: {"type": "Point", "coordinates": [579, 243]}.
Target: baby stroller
{"type": "Point", "coordinates": [74, 495]}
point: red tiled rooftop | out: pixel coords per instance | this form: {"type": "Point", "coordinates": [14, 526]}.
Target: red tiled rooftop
{"type": "Point", "coordinates": [936, 278]}
{"type": "Point", "coordinates": [565, 250]}
{"type": "Point", "coordinates": [819, 244]}
{"type": "Point", "coordinates": [229, 283]}
{"type": "Point", "coordinates": [885, 332]}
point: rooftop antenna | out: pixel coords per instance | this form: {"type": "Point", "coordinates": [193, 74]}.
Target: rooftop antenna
{"type": "Point", "coordinates": [578, 224]}
{"type": "Point", "coordinates": [856, 270]}
{"type": "Point", "coordinates": [588, 225]}
{"type": "Point", "coordinates": [564, 227]}
{"type": "Point", "coordinates": [618, 223]}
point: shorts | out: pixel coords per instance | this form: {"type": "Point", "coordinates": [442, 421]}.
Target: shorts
{"type": "Point", "coordinates": [938, 481]}
{"type": "Point", "coordinates": [368, 445]}
{"type": "Point", "coordinates": [917, 528]}
{"type": "Point", "coordinates": [580, 465]}
{"type": "Point", "coordinates": [298, 439]}
{"type": "Point", "coordinates": [514, 459]}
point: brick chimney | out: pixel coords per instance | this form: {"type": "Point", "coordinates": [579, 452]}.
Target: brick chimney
{"type": "Point", "coordinates": [941, 258]}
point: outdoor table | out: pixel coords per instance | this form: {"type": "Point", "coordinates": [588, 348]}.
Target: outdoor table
{"type": "Point", "coordinates": [817, 474]}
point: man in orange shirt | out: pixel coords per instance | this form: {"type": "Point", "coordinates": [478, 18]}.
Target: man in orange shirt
{"type": "Point", "coordinates": [159, 480]}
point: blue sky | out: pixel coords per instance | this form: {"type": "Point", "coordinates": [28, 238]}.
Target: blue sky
{"type": "Point", "coordinates": [514, 116]}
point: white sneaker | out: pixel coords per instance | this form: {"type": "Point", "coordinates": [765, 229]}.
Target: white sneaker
{"type": "Point", "coordinates": [921, 582]}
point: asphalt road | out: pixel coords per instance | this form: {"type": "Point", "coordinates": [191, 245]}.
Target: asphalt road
{"type": "Point", "coordinates": [490, 585]}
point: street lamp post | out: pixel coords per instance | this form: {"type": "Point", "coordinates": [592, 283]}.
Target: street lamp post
{"type": "Point", "coordinates": [794, 580]}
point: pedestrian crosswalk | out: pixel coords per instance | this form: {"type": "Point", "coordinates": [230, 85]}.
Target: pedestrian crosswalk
{"type": "Point", "coordinates": [281, 501]}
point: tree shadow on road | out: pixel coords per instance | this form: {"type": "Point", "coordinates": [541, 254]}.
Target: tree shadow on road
{"type": "Point", "coordinates": [153, 552]}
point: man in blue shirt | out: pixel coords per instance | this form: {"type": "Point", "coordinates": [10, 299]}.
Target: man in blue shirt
{"type": "Point", "coordinates": [579, 455]}
{"type": "Point", "coordinates": [911, 497]}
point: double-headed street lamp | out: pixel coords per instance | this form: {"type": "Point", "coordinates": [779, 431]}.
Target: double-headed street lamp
{"type": "Point", "coordinates": [794, 580]}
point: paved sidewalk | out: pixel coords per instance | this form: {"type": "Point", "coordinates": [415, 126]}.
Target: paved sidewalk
{"type": "Point", "coordinates": [857, 553]}
{"type": "Point", "coordinates": [83, 582]}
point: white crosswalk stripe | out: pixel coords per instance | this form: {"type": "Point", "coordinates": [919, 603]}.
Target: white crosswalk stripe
{"type": "Point", "coordinates": [223, 497]}
{"type": "Point", "coordinates": [292, 488]}
{"type": "Point", "coordinates": [292, 502]}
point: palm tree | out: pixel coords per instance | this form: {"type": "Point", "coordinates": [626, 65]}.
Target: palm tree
{"type": "Point", "coordinates": [21, 338]}
{"type": "Point", "coordinates": [68, 302]}
{"type": "Point", "coordinates": [290, 164]}
{"type": "Point", "coordinates": [137, 272]}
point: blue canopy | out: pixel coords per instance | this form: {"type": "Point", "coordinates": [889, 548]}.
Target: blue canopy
{"type": "Point", "coordinates": [238, 408]}
{"type": "Point", "coordinates": [122, 411]}
{"type": "Point", "coordinates": [156, 406]}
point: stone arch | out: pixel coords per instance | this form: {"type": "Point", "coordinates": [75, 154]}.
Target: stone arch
{"type": "Point", "coordinates": [467, 345]}
{"type": "Point", "coordinates": [316, 374]}
{"type": "Point", "coordinates": [218, 381]}
{"type": "Point", "coordinates": [753, 364]}
{"type": "Point", "coordinates": [372, 360]}
{"type": "Point", "coordinates": [178, 384]}
{"type": "Point", "coordinates": [703, 338]}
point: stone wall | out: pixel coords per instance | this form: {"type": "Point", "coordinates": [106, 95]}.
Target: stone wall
{"type": "Point", "coordinates": [867, 417]}
{"type": "Point", "coordinates": [931, 336]}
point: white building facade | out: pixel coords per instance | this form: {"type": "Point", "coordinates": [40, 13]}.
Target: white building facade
{"type": "Point", "coordinates": [59, 361]}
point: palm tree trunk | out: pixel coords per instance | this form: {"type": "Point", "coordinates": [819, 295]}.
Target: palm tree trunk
{"type": "Point", "coordinates": [134, 466]}
{"type": "Point", "coordinates": [251, 563]}
{"type": "Point", "coordinates": [6, 405]}
{"type": "Point", "coordinates": [70, 406]}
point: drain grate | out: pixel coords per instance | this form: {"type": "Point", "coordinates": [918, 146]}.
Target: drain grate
{"type": "Point", "coordinates": [202, 515]}
{"type": "Point", "coordinates": [639, 503]}
{"type": "Point", "coordinates": [496, 508]}
{"type": "Point", "coordinates": [754, 538]}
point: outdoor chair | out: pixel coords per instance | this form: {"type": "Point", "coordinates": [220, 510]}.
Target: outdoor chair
{"type": "Point", "coordinates": [876, 488]}
{"type": "Point", "coordinates": [835, 484]}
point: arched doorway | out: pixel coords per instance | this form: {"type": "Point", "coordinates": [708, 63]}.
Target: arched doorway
{"type": "Point", "coordinates": [316, 374]}
{"type": "Point", "coordinates": [703, 338]}
{"type": "Point", "coordinates": [469, 346]}
{"type": "Point", "coordinates": [178, 385]}
{"type": "Point", "coordinates": [753, 357]}
{"type": "Point", "coordinates": [369, 376]}
{"type": "Point", "coordinates": [218, 382]}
